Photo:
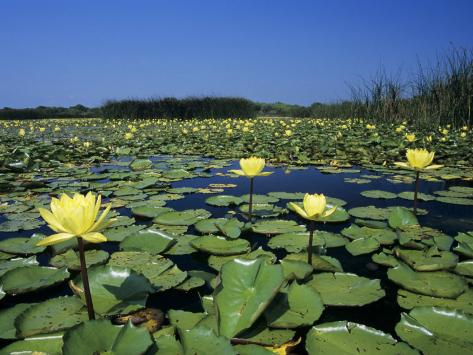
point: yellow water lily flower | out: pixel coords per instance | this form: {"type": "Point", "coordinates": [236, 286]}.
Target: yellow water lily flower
{"type": "Point", "coordinates": [418, 159]}
{"type": "Point", "coordinates": [284, 348]}
{"type": "Point", "coordinates": [75, 217]}
{"type": "Point", "coordinates": [314, 207]}
{"type": "Point", "coordinates": [251, 167]}
{"type": "Point", "coordinates": [21, 132]}
{"type": "Point", "coordinates": [410, 137]}
{"type": "Point", "coordinates": [128, 135]}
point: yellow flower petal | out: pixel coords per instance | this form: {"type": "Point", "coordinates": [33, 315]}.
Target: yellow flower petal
{"type": "Point", "coordinates": [100, 222]}
{"type": "Point", "coordinates": [238, 172]}
{"type": "Point", "coordinates": [55, 239]}
{"type": "Point", "coordinates": [329, 212]}
{"type": "Point", "coordinates": [299, 210]}
{"type": "Point", "coordinates": [94, 237]}
{"type": "Point", "coordinates": [54, 224]}
{"type": "Point", "coordinates": [265, 173]}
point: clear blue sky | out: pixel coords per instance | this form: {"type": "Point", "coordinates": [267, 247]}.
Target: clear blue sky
{"type": "Point", "coordinates": [60, 52]}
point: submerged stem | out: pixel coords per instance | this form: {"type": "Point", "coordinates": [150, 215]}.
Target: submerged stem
{"type": "Point", "coordinates": [416, 191]}
{"type": "Point", "coordinates": [85, 280]}
{"type": "Point", "coordinates": [309, 247]}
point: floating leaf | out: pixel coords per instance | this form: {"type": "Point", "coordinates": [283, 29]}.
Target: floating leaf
{"type": "Point", "coordinates": [352, 338]}
{"type": "Point", "coordinates": [247, 287]}
{"type": "Point", "coordinates": [345, 289]}
{"type": "Point", "coordinates": [436, 330]}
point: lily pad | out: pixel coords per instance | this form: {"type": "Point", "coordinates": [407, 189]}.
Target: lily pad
{"type": "Point", "coordinates": [70, 259]}
{"type": "Point", "coordinates": [401, 217]}
{"type": "Point", "coordinates": [247, 288]}
{"type": "Point", "coordinates": [427, 260]}
{"type": "Point", "coordinates": [378, 194]}
{"type": "Point", "coordinates": [362, 246]}
{"type": "Point", "coordinates": [409, 300]}
{"type": "Point", "coordinates": [103, 337]}
{"type": "Point", "coordinates": [220, 246]}
{"type": "Point", "coordinates": [224, 200]}
{"type": "Point", "coordinates": [22, 245]}
{"type": "Point", "coordinates": [115, 289]}
{"type": "Point", "coordinates": [345, 289]}
{"type": "Point", "coordinates": [298, 306]}
{"type": "Point", "coordinates": [182, 218]}
{"type": "Point", "coordinates": [32, 278]}
{"type": "Point", "coordinates": [435, 330]}
{"type": "Point", "coordinates": [277, 227]}
{"type": "Point", "coordinates": [344, 337]}
{"type": "Point", "coordinates": [11, 264]}
{"type": "Point", "coordinates": [230, 228]}
{"type": "Point", "coordinates": [435, 283]}
{"type": "Point", "coordinates": [202, 340]}
{"type": "Point", "coordinates": [52, 315]}
{"type": "Point", "coordinates": [149, 240]}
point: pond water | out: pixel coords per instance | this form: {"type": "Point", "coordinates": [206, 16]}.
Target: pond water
{"type": "Point", "coordinates": [383, 314]}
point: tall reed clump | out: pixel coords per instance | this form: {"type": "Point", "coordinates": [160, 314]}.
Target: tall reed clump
{"type": "Point", "coordinates": [190, 107]}
{"type": "Point", "coordinates": [440, 93]}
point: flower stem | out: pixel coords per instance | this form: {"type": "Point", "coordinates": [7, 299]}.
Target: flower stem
{"type": "Point", "coordinates": [311, 238]}
{"type": "Point", "coordinates": [416, 191]}
{"type": "Point", "coordinates": [250, 207]}
{"type": "Point", "coordinates": [85, 280]}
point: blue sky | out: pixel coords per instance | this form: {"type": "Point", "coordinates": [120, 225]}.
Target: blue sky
{"type": "Point", "coordinates": [56, 52]}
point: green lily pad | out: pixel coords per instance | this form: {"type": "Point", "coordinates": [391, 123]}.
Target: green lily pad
{"type": "Point", "coordinates": [182, 218]}
{"type": "Point", "coordinates": [435, 330]}
{"type": "Point", "coordinates": [344, 337]}
{"type": "Point", "coordinates": [277, 227]}
{"type": "Point", "coordinates": [295, 242]}
{"type": "Point", "coordinates": [386, 195]}
{"type": "Point", "coordinates": [246, 290]}
{"type": "Point", "coordinates": [117, 234]}
{"type": "Point", "coordinates": [464, 268]}
{"type": "Point", "coordinates": [115, 289]}
{"type": "Point", "coordinates": [401, 217]}
{"type": "Point", "coordinates": [183, 245]}
{"type": "Point", "coordinates": [385, 259]}
{"type": "Point", "coordinates": [184, 319]}
{"type": "Point", "coordinates": [141, 164]}
{"type": "Point", "coordinates": [32, 278]}
{"type": "Point", "coordinates": [150, 211]}
{"type": "Point", "coordinates": [435, 283]}
{"type": "Point", "coordinates": [362, 246]}
{"type": "Point", "coordinates": [224, 200]}
{"type": "Point", "coordinates": [216, 261]}
{"type": "Point", "coordinates": [382, 235]}
{"type": "Point", "coordinates": [230, 228]}
{"type": "Point", "coordinates": [259, 199]}
{"type": "Point", "coordinates": [70, 259]}
{"type": "Point", "coordinates": [11, 264]}
{"type": "Point", "coordinates": [202, 340]}
{"type": "Point", "coordinates": [319, 262]}
{"type": "Point", "coordinates": [295, 269]}
{"type": "Point", "coordinates": [369, 212]}
{"type": "Point", "coordinates": [345, 289]}
{"type": "Point", "coordinates": [149, 240]}
{"type": "Point", "coordinates": [7, 319]}
{"type": "Point", "coordinates": [22, 245]}
{"type": "Point", "coordinates": [263, 210]}
{"type": "Point", "coordinates": [52, 315]}
{"type": "Point", "coordinates": [220, 246]}
{"type": "Point", "coordinates": [298, 306]}
{"type": "Point", "coordinates": [409, 300]}
{"type": "Point", "coordinates": [50, 344]}
{"type": "Point", "coordinates": [427, 260]}
{"type": "Point", "coordinates": [409, 195]}
{"type": "Point", "coordinates": [455, 200]}
{"type": "Point", "coordinates": [103, 337]}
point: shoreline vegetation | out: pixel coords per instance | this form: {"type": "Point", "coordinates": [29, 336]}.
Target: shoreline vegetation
{"type": "Point", "coordinates": [440, 93]}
